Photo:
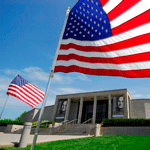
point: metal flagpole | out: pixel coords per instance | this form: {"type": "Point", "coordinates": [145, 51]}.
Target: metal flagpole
{"type": "Point", "coordinates": [49, 81]}
{"type": "Point", "coordinates": [4, 106]}
{"type": "Point", "coordinates": [6, 100]}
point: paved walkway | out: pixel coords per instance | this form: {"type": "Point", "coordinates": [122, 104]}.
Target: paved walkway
{"type": "Point", "coordinates": [11, 139]}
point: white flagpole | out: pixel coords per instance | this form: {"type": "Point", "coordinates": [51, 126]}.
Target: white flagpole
{"type": "Point", "coordinates": [49, 81]}
{"type": "Point", "coordinates": [58, 47]}
{"type": "Point", "coordinates": [4, 106]}
{"type": "Point", "coordinates": [6, 100]}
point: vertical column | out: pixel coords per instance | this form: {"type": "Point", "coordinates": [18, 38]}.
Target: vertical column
{"type": "Point", "coordinates": [67, 110]}
{"type": "Point", "coordinates": [55, 109]}
{"type": "Point", "coordinates": [126, 95]}
{"type": "Point", "coordinates": [80, 110]}
{"type": "Point", "coordinates": [109, 107]}
{"type": "Point", "coordinates": [94, 109]}
{"type": "Point", "coordinates": [126, 105]}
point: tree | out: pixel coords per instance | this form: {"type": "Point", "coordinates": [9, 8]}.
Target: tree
{"type": "Point", "coordinates": [19, 118]}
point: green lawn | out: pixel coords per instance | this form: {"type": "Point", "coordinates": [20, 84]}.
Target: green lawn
{"type": "Point", "coordinates": [107, 142]}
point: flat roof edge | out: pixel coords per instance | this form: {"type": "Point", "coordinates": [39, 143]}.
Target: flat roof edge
{"type": "Point", "coordinates": [141, 99]}
{"type": "Point", "coordinates": [92, 92]}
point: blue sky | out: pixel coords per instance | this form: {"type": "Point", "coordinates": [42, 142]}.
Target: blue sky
{"type": "Point", "coordinates": [29, 34]}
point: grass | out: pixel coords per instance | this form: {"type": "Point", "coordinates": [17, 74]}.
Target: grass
{"type": "Point", "coordinates": [107, 142]}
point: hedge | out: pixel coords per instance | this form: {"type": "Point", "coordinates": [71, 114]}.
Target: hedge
{"type": "Point", "coordinates": [125, 122]}
{"type": "Point", "coordinates": [41, 126]}
{"type": "Point", "coordinates": [44, 122]}
{"type": "Point", "coordinates": [9, 121]}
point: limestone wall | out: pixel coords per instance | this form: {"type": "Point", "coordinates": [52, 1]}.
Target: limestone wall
{"type": "Point", "coordinates": [134, 131]}
{"type": "Point", "coordinates": [140, 108]}
{"type": "Point", "coordinates": [32, 116]}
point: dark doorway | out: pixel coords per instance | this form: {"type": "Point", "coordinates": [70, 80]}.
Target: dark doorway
{"type": "Point", "coordinates": [87, 111]}
{"type": "Point", "coordinates": [101, 110]}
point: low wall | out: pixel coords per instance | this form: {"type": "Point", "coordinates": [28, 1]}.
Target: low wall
{"type": "Point", "coordinates": [97, 129]}
{"type": "Point", "coordinates": [40, 130]}
{"type": "Point", "coordinates": [13, 128]}
{"type": "Point", "coordinates": [2, 128]}
{"type": "Point", "coordinates": [135, 131]}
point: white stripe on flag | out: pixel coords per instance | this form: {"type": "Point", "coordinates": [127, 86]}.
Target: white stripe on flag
{"type": "Point", "coordinates": [26, 92]}
{"type": "Point", "coordinates": [110, 5]}
{"type": "Point", "coordinates": [38, 98]}
{"type": "Point", "coordinates": [34, 90]}
{"type": "Point", "coordinates": [113, 39]}
{"type": "Point", "coordinates": [21, 98]}
{"type": "Point", "coordinates": [22, 94]}
{"type": "Point", "coordinates": [112, 54]}
{"type": "Point", "coordinates": [127, 66]}
{"type": "Point", "coordinates": [136, 10]}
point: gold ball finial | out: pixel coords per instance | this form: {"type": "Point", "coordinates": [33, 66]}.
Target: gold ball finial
{"type": "Point", "coordinates": [68, 8]}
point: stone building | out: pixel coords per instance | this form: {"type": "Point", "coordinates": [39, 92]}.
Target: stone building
{"type": "Point", "coordinates": [93, 106]}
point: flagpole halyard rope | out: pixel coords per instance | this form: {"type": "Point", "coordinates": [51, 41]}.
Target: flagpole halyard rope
{"type": "Point", "coordinates": [49, 81]}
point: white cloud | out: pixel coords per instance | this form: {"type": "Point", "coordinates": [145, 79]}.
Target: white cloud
{"type": "Point", "coordinates": [82, 77]}
{"type": "Point", "coordinates": [36, 73]}
{"type": "Point", "coordinates": [12, 102]}
{"type": "Point", "coordinates": [50, 102]}
{"type": "Point", "coordinates": [136, 95]}
{"type": "Point", "coordinates": [62, 79]}
{"type": "Point", "coordinates": [4, 83]}
{"type": "Point", "coordinates": [68, 90]}
{"type": "Point", "coordinates": [39, 78]}
{"type": "Point", "coordinates": [10, 71]}
{"type": "Point", "coordinates": [67, 79]}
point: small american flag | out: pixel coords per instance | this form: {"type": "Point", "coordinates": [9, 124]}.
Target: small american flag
{"type": "Point", "coordinates": [25, 91]}
{"type": "Point", "coordinates": [107, 37]}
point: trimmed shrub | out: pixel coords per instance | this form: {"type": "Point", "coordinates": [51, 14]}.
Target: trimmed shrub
{"type": "Point", "coordinates": [9, 121]}
{"type": "Point", "coordinates": [41, 126]}
{"type": "Point", "coordinates": [125, 122]}
{"type": "Point", "coordinates": [34, 123]}
{"type": "Point", "coordinates": [19, 118]}
{"type": "Point", "coordinates": [44, 124]}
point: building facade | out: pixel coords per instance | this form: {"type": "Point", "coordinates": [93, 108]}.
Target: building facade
{"type": "Point", "coordinates": [93, 106]}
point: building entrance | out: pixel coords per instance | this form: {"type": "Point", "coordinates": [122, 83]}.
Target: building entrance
{"type": "Point", "coordinates": [101, 110]}
{"type": "Point", "coordinates": [87, 111]}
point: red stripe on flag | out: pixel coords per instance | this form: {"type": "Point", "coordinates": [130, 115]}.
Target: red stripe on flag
{"type": "Point", "coordinates": [103, 2]}
{"type": "Point", "coordinates": [29, 103]}
{"type": "Point", "coordinates": [121, 8]}
{"type": "Point", "coordinates": [37, 89]}
{"type": "Point", "coordinates": [117, 60]}
{"type": "Point", "coordinates": [35, 92]}
{"type": "Point", "coordinates": [104, 72]}
{"type": "Point", "coordinates": [133, 23]}
{"type": "Point", "coordinates": [34, 95]}
{"type": "Point", "coordinates": [139, 40]}
{"type": "Point", "coordinates": [29, 97]}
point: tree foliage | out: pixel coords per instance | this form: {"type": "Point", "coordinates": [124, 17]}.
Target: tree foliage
{"type": "Point", "coordinates": [19, 118]}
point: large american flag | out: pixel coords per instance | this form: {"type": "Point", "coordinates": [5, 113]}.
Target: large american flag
{"type": "Point", "coordinates": [25, 91]}
{"type": "Point", "coordinates": [107, 37]}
